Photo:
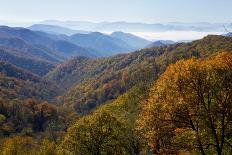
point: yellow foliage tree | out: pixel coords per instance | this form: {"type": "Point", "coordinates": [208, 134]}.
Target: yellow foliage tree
{"type": "Point", "coordinates": [47, 148]}
{"type": "Point", "coordinates": [190, 107]}
{"type": "Point", "coordinates": [19, 146]}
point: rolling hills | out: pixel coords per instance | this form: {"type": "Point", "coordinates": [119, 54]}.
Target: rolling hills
{"type": "Point", "coordinates": [53, 49]}
{"type": "Point", "coordinates": [45, 41]}
{"type": "Point", "coordinates": [160, 43]}
{"type": "Point", "coordinates": [94, 82]}
{"type": "Point", "coordinates": [112, 86]}
{"type": "Point", "coordinates": [23, 60]}
{"type": "Point", "coordinates": [17, 83]}
{"type": "Point", "coordinates": [54, 29]}
{"type": "Point", "coordinates": [104, 44]}
{"type": "Point", "coordinates": [36, 51]}
{"type": "Point", "coordinates": [132, 40]}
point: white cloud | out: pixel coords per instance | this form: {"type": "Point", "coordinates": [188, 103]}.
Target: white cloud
{"type": "Point", "coordinates": [174, 35]}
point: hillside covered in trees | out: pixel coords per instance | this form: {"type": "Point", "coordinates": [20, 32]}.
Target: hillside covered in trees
{"type": "Point", "coordinates": [90, 83]}
{"type": "Point", "coordinates": [162, 100]}
{"type": "Point", "coordinates": [19, 83]}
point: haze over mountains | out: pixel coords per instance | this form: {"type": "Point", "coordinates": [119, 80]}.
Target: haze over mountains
{"type": "Point", "coordinates": [49, 45]}
{"type": "Point", "coordinates": [40, 52]}
{"type": "Point", "coordinates": [152, 31]}
{"type": "Point", "coordinates": [54, 29]}
{"type": "Point", "coordinates": [52, 75]}
{"type": "Point", "coordinates": [45, 46]}
{"type": "Point", "coordinates": [161, 43]}
{"type": "Point", "coordinates": [21, 45]}
{"type": "Point", "coordinates": [138, 27]}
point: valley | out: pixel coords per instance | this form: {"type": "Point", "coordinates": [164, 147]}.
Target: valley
{"type": "Point", "coordinates": [94, 93]}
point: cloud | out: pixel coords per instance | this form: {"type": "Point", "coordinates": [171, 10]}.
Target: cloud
{"type": "Point", "coordinates": [174, 35]}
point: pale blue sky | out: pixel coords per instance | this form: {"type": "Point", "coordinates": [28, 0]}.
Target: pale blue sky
{"type": "Point", "coordinates": [150, 11]}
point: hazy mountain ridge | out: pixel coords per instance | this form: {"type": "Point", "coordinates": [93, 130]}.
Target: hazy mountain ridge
{"type": "Point", "coordinates": [138, 27]}
{"type": "Point", "coordinates": [134, 41]}
{"type": "Point", "coordinates": [83, 38]}
{"type": "Point", "coordinates": [54, 29]}
{"type": "Point", "coordinates": [161, 43]}
{"type": "Point", "coordinates": [105, 44]}
{"type": "Point", "coordinates": [38, 39]}
{"type": "Point", "coordinates": [31, 50]}
{"type": "Point", "coordinates": [55, 48]}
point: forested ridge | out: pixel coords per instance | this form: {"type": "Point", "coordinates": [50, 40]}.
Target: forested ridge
{"type": "Point", "coordinates": [162, 100]}
{"type": "Point", "coordinates": [93, 82]}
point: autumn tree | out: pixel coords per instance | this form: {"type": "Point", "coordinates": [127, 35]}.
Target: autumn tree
{"type": "Point", "coordinates": [190, 107]}
{"type": "Point", "coordinates": [2, 119]}
{"type": "Point", "coordinates": [100, 133]}
{"type": "Point", "coordinates": [47, 148]}
{"type": "Point", "coordinates": [19, 146]}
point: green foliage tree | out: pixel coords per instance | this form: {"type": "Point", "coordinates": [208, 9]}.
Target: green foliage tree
{"type": "Point", "coordinates": [100, 133]}
{"type": "Point", "coordinates": [2, 118]}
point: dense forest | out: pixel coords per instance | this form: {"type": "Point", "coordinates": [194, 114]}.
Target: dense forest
{"type": "Point", "coordinates": [171, 99]}
{"type": "Point", "coordinates": [90, 82]}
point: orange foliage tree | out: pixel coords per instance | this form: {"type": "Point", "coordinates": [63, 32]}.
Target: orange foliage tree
{"type": "Point", "coordinates": [190, 107]}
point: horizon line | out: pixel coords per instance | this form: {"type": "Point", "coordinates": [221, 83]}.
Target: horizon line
{"type": "Point", "coordinates": [109, 21]}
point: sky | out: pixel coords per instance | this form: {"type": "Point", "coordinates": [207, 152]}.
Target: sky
{"type": "Point", "coordinates": [148, 11]}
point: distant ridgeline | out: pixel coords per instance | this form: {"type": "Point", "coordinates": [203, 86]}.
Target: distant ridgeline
{"type": "Point", "coordinates": [40, 52]}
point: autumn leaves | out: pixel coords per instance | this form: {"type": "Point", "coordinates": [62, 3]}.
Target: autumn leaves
{"type": "Point", "coordinates": [190, 108]}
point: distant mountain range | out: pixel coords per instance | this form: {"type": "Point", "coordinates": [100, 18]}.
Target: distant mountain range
{"type": "Point", "coordinates": [83, 38]}
{"type": "Point", "coordinates": [47, 42]}
{"type": "Point", "coordinates": [34, 50]}
{"type": "Point", "coordinates": [104, 44]}
{"type": "Point", "coordinates": [53, 29]}
{"type": "Point", "coordinates": [161, 43]}
{"type": "Point", "coordinates": [134, 41]}
{"type": "Point", "coordinates": [138, 27]}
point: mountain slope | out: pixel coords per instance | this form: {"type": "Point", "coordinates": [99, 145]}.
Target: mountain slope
{"type": "Point", "coordinates": [68, 49]}
{"type": "Point", "coordinates": [54, 29]}
{"type": "Point", "coordinates": [45, 41]}
{"type": "Point", "coordinates": [101, 80]}
{"type": "Point", "coordinates": [18, 83]}
{"type": "Point", "coordinates": [161, 43]}
{"type": "Point", "coordinates": [106, 45]}
{"type": "Point", "coordinates": [132, 40]}
{"type": "Point", "coordinates": [30, 50]}
{"type": "Point", "coordinates": [23, 60]}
